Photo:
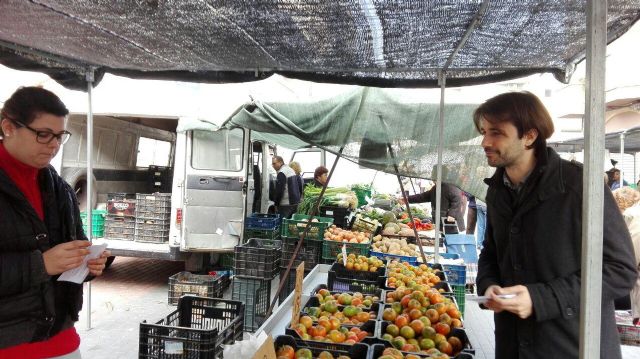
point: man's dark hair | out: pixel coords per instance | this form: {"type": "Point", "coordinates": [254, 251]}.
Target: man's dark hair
{"type": "Point", "coordinates": [27, 103]}
{"type": "Point", "coordinates": [320, 171]}
{"type": "Point", "coordinates": [523, 109]}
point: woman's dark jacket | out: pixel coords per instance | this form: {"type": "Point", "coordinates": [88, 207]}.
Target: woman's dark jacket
{"type": "Point", "coordinates": [33, 305]}
{"type": "Point", "coordinates": [450, 202]}
{"type": "Point", "coordinates": [534, 238]}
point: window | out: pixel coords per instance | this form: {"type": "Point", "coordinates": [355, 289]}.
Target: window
{"type": "Point", "coordinates": [153, 153]}
{"type": "Point", "coordinates": [217, 150]}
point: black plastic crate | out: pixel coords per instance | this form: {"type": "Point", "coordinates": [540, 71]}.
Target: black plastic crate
{"type": "Point", "coordinates": [262, 221]}
{"type": "Point", "coordinates": [200, 285]}
{"type": "Point", "coordinates": [340, 215]}
{"type": "Point", "coordinates": [272, 234]}
{"type": "Point", "coordinates": [290, 286]}
{"type": "Point", "coordinates": [310, 252]}
{"type": "Point", "coordinates": [256, 296]}
{"type": "Point", "coordinates": [160, 178]}
{"type": "Point", "coordinates": [117, 227]}
{"type": "Point", "coordinates": [258, 258]}
{"type": "Point", "coordinates": [343, 280]}
{"type": "Point", "coordinates": [197, 329]}
{"type": "Point", "coordinates": [355, 351]}
{"type": "Point", "coordinates": [467, 349]}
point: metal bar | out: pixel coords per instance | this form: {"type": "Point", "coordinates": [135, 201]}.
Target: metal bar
{"type": "Point", "coordinates": [264, 178]}
{"type": "Point", "coordinates": [472, 26]}
{"type": "Point", "coordinates": [622, 158]}
{"type": "Point", "coordinates": [312, 214]}
{"type": "Point", "coordinates": [438, 221]}
{"type": "Point", "coordinates": [44, 55]}
{"type": "Point", "coordinates": [404, 193]}
{"type": "Point", "coordinates": [593, 188]}
{"type": "Point", "coordinates": [89, 209]}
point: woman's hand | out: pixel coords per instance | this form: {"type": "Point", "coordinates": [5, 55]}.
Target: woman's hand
{"type": "Point", "coordinates": [96, 266]}
{"type": "Point", "coordinates": [65, 256]}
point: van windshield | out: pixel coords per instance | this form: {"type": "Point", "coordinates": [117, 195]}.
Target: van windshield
{"type": "Point", "coordinates": [220, 150]}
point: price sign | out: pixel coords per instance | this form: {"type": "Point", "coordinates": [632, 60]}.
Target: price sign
{"type": "Point", "coordinates": [295, 313]}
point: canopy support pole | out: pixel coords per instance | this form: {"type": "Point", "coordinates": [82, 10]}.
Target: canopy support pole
{"type": "Point", "coordinates": [442, 79]}
{"type": "Point", "coordinates": [90, 79]}
{"type": "Point", "coordinates": [622, 158]}
{"type": "Point", "coordinates": [593, 188]}
{"type": "Point", "coordinates": [312, 214]}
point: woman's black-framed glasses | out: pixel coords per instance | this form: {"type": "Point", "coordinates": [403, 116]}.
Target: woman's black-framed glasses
{"type": "Point", "coordinates": [45, 137]}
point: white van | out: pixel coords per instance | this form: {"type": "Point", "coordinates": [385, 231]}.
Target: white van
{"type": "Point", "coordinates": [216, 176]}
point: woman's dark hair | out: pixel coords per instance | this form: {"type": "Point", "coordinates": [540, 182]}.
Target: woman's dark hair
{"type": "Point", "coordinates": [523, 109]}
{"type": "Point", "coordinates": [27, 103]}
{"type": "Point", "coordinates": [320, 171]}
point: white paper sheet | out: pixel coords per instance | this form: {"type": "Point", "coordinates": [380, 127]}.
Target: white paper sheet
{"type": "Point", "coordinates": [483, 299]}
{"type": "Point", "coordinates": [78, 274]}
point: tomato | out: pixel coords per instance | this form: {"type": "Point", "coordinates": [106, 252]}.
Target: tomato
{"type": "Point", "coordinates": [304, 353]}
{"type": "Point", "coordinates": [286, 351]}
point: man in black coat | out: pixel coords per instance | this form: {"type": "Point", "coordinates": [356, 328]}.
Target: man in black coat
{"type": "Point", "coordinates": [451, 206]}
{"type": "Point", "coordinates": [533, 242]}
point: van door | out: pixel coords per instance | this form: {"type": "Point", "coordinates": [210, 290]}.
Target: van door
{"type": "Point", "coordinates": [213, 207]}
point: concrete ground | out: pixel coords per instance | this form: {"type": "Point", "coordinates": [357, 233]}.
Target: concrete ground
{"type": "Point", "coordinates": [133, 290]}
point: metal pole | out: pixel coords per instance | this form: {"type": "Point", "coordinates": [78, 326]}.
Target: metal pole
{"type": "Point", "coordinates": [622, 158]}
{"type": "Point", "coordinates": [89, 209]}
{"type": "Point", "coordinates": [438, 220]}
{"type": "Point", "coordinates": [264, 178]}
{"type": "Point", "coordinates": [593, 188]}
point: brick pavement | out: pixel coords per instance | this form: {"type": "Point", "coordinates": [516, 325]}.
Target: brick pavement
{"type": "Point", "coordinates": [131, 291]}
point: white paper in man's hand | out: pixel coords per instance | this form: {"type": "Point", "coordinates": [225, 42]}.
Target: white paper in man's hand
{"type": "Point", "coordinates": [78, 274]}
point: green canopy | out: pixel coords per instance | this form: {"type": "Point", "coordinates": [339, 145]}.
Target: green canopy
{"type": "Point", "coordinates": [364, 121]}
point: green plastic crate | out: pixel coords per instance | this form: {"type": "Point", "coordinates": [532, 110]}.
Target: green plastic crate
{"type": "Point", "coordinates": [459, 292]}
{"type": "Point", "coordinates": [331, 249]}
{"type": "Point", "coordinates": [97, 222]}
{"type": "Point", "coordinates": [295, 226]}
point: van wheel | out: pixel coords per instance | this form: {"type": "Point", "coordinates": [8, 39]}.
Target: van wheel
{"type": "Point", "coordinates": [109, 261]}
{"type": "Point", "coordinates": [77, 178]}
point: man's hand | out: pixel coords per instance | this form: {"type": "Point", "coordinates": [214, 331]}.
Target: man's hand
{"type": "Point", "coordinates": [521, 305]}
{"type": "Point", "coordinates": [96, 266]}
{"type": "Point", "coordinates": [401, 200]}
{"type": "Point", "coordinates": [450, 219]}
{"type": "Point", "coordinates": [65, 256]}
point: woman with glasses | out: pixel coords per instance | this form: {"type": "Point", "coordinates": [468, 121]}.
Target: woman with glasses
{"type": "Point", "coordinates": [41, 232]}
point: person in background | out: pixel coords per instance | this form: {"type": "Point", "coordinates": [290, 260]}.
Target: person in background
{"type": "Point", "coordinates": [320, 176]}
{"type": "Point", "coordinates": [41, 232]}
{"type": "Point", "coordinates": [451, 209]}
{"type": "Point", "coordinates": [288, 190]}
{"type": "Point", "coordinates": [628, 200]}
{"type": "Point", "coordinates": [532, 246]}
{"type": "Point", "coordinates": [614, 181]}
{"type": "Point", "coordinates": [471, 213]}
{"type": "Point", "coordinates": [295, 166]}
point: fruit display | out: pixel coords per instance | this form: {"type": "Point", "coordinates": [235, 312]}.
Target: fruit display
{"type": "Point", "coordinates": [336, 234]}
{"type": "Point", "coordinates": [395, 246]}
{"type": "Point", "coordinates": [421, 319]}
{"type": "Point", "coordinates": [399, 229]}
{"type": "Point", "coordinates": [403, 274]}
{"type": "Point", "coordinates": [393, 353]}
{"type": "Point", "coordinates": [289, 348]}
{"type": "Point", "coordinates": [356, 299]}
{"type": "Point", "coordinates": [328, 332]}
{"type": "Point", "coordinates": [365, 223]}
{"type": "Point", "coordinates": [361, 263]}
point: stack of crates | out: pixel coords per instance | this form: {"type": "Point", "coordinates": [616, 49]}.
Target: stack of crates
{"type": "Point", "coordinates": [311, 248]}
{"type": "Point", "coordinates": [263, 226]}
{"type": "Point", "coordinates": [256, 263]}
{"type": "Point", "coordinates": [153, 213]}
{"type": "Point", "coordinates": [200, 285]}
{"type": "Point", "coordinates": [120, 220]}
